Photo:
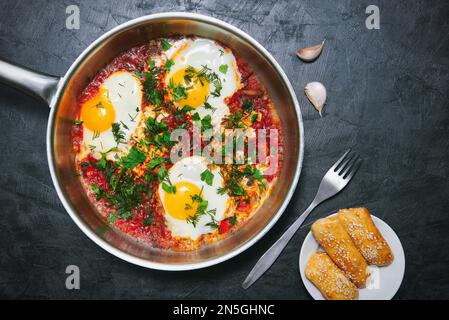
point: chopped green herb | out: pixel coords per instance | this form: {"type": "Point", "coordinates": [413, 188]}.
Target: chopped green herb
{"type": "Point", "coordinates": [112, 217]}
{"type": "Point", "coordinates": [213, 78]}
{"type": "Point", "coordinates": [97, 191]}
{"type": "Point", "coordinates": [178, 92]}
{"type": "Point", "coordinates": [257, 174]}
{"type": "Point", "coordinates": [77, 122]}
{"type": "Point", "coordinates": [154, 162]}
{"type": "Point", "coordinates": [201, 209]}
{"type": "Point", "coordinates": [102, 163]}
{"type": "Point", "coordinates": [163, 177]}
{"type": "Point", "coordinates": [153, 95]}
{"type": "Point", "coordinates": [124, 192]}
{"type": "Point", "coordinates": [206, 123]}
{"type": "Point", "coordinates": [207, 105]}
{"type": "Point", "coordinates": [247, 106]}
{"type": "Point", "coordinates": [234, 121]}
{"type": "Point", "coordinates": [148, 177]}
{"type": "Point", "coordinates": [165, 44]}
{"type": "Point", "coordinates": [254, 117]}
{"type": "Point", "coordinates": [133, 158]}
{"type": "Point", "coordinates": [223, 68]}
{"type": "Point", "coordinates": [196, 116]}
{"type": "Point", "coordinates": [207, 176]}
{"type": "Point", "coordinates": [126, 215]}
{"type": "Point", "coordinates": [148, 220]}
{"type": "Point", "coordinates": [186, 109]}
{"type": "Point", "coordinates": [169, 64]}
{"type": "Point", "coordinates": [119, 135]}
{"type": "Point", "coordinates": [168, 188]}
{"type": "Point", "coordinates": [205, 74]}
{"type": "Point", "coordinates": [234, 176]}
{"type": "Point", "coordinates": [162, 173]}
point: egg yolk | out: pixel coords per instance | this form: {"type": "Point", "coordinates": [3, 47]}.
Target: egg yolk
{"type": "Point", "coordinates": [179, 204]}
{"type": "Point", "coordinates": [98, 113]}
{"type": "Point", "coordinates": [197, 91]}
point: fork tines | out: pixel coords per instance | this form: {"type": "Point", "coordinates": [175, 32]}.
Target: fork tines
{"type": "Point", "coordinates": [348, 164]}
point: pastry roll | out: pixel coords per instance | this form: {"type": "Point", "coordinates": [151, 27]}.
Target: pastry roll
{"type": "Point", "coordinates": [332, 236]}
{"type": "Point", "coordinates": [366, 237]}
{"type": "Point", "coordinates": [331, 281]}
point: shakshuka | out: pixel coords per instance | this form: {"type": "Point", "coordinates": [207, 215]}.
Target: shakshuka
{"type": "Point", "coordinates": [123, 139]}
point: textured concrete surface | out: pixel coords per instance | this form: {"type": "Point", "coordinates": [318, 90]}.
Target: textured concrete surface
{"type": "Point", "coordinates": [388, 99]}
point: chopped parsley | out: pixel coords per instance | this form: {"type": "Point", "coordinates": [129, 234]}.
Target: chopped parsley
{"type": "Point", "coordinates": [234, 176]}
{"type": "Point", "coordinates": [206, 123]}
{"type": "Point", "coordinates": [234, 120]}
{"type": "Point", "coordinates": [223, 68]}
{"type": "Point", "coordinates": [155, 162]}
{"type": "Point", "coordinates": [148, 220]}
{"type": "Point", "coordinates": [196, 117]}
{"type": "Point", "coordinates": [157, 133]}
{"type": "Point", "coordinates": [207, 176]}
{"type": "Point", "coordinates": [178, 92]}
{"type": "Point", "coordinates": [163, 177]}
{"type": "Point", "coordinates": [205, 74]}
{"type": "Point", "coordinates": [169, 64]}
{"type": "Point", "coordinates": [201, 210]}
{"type": "Point", "coordinates": [165, 44]}
{"type": "Point", "coordinates": [134, 158]}
{"type": "Point", "coordinates": [153, 95]}
{"type": "Point", "coordinates": [207, 105]}
{"type": "Point", "coordinates": [247, 106]}
{"type": "Point", "coordinates": [254, 117]}
{"type": "Point", "coordinates": [112, 217]}
{"type": "Point", "coordinates": [102, 163]}
{"type": "Point", "coordinates": [118, 133]}
{"type": "Point", "coordinates": [213, 78]}
{"type": "Point", "coordinates": [124, 193]}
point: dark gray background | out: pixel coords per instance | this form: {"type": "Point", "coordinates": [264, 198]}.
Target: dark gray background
{"type": "Point", "coordinates": [388, 99]}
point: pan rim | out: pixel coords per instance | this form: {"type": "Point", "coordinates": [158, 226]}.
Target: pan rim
{"type": "Point", "coordinates": [73, 212]}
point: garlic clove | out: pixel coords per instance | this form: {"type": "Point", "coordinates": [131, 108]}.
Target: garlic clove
{"type": "Point", "coordinates": [317, 95]}
{"type": "Point", "coordinates": [310, 53]}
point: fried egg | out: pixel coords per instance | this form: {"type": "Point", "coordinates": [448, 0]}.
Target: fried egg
{"type": "Point", "coordinates": [199, 55]}
{"type": "Point", "coordinates": [118, 101]}
{"type": "Point", "coordinates": [185, 176]}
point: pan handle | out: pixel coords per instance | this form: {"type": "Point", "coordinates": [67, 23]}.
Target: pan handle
{"type": "Point", "coordinates": [38, 85]}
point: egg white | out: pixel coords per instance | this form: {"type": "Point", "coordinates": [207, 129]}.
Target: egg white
{"type": "Point", "coordinates": [125, 93]}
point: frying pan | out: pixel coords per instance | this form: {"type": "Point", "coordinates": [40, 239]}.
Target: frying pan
{"type": "Point", "coordinates": [61, 95]}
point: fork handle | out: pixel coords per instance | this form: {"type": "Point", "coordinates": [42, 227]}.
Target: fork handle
{"type": "Point", "coordinates": [275, 250]}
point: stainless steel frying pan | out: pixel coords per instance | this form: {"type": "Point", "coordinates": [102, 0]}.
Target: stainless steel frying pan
{"type": "Point", "coordinates": [61, 95]}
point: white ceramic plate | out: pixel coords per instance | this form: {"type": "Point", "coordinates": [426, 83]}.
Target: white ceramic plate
{"type": "Point", "coordinates": [383, 282]}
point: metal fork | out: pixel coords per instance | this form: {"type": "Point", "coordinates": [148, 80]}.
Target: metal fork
{"type": "Point", "coordinates": [333, 182]}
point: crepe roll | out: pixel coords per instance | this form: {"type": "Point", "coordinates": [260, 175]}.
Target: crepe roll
{"type": "Point", "coordinates": [329, 279]}
{"type": "Point", "coordinates": [332, 236]}
{"type": "Point", "coordinates": [366, 237]}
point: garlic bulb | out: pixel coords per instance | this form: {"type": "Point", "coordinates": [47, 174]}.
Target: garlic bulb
{"type": "Point", "coordinates": [310, 53]}
{"type": "Point", "coordinates": [317, 94]}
